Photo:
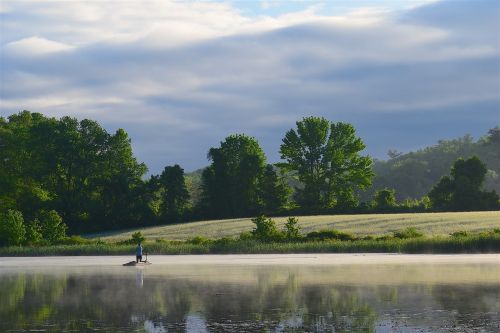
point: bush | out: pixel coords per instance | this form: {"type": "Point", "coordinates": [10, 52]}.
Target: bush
{"type": "Point", "coordinates": [407, 233]}
{"type": "Point", "coordinates": [52, 227]}
{"type": "Point", "coordinates": [137, 238]}
{"type": "Point", "coordinates": [384, 200]}
{"type": "Point", "coordinates": [384, 238]}
{"type": "Point", "coordinates": [33, 233]}
{"type": "Point", "coordinates": [330, 234]}
{"type": "Point", "coordinates": [246, 235]}
{"type": "Point", "coordinates": [12, 230]}
{"type": "Point", "coordinates": [461, 233]}
{"type": "Point", "coordinates": [198, 240]}
{"type": "Point", "coordinates": [265, 229]}
{"type": "Point", "coordinates": [292, 228]}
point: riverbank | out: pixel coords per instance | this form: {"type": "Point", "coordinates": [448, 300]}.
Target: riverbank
{"type": "Point", "coordinates": [481, 243]}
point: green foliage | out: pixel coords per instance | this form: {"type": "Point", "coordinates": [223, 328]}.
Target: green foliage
{"type": "Point", "coordinates": [462, 190]}
{"type": "Point", "coordinates": [414, 174]}
{"type": "Point", "coordinates": [331, 242]}
{"type": "Point", "coordinates": [265, 228]}
{"type": "Point", "coordinates": [175, 195]}
{"type": "Point", "coordinates": [246, 235]}
{"type": "Point", "coordinates": [330, 235]}
{"type": "Point", "coordinates": [75, 167]}
{"type": "Point", "coordinates": [199, 240]}
{"type": "Point", "coordinates": [325, 157]}
{"type": "Point", "coordinates": [34, 232]}
{"type": "Point", "coordinates": [292, 228]}
{"type": "Point", "coordinates": [137, 238]}
{"type": "Point", "coordinates": [384, 200]}
{"type": "Point", "coordinates": [273, 191]}
{"type": "Point", "coordinates": [409, 232]}
{"type": "Point", "coordinates": [230, 183]}
{"type": "Point", "coordinates": [52, 227]}
{"type": "Point", "coordinates": [12, 229]}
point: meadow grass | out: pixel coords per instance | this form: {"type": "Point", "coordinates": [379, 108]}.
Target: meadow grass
{"type": "Point", "coordinates": [361, 224]}
{"type": "Point", "coordinates": [486, 242]}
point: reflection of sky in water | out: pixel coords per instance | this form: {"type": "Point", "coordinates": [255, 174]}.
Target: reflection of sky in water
{"type": "Point", "coordinates": [196, 323]}
{"type": "Point", "coordinates": [151, 327]}
{"type": "Point", "coordinates": [371, 298]}
{"type": "Point", "coordinates": [139, 278]}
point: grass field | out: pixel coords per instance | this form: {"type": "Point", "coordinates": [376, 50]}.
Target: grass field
{"type": "Point", "coordinates": [433, 224]}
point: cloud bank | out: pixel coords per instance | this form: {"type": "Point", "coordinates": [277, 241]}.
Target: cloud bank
{"type": "Point", "coordinates": [180, 76]}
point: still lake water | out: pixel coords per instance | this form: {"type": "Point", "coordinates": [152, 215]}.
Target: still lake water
{"type": "Point", "coordinates": [248, 296]}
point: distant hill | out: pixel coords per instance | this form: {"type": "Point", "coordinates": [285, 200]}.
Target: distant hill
{"type": "Point", "coordinates": [413, 174]}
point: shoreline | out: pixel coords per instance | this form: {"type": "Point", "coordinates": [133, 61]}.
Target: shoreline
{"type": "Point", "coordinates": [314, 259]}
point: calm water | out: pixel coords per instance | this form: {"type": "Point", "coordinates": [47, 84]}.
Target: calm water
{"type": "Point", "coordinates": [252, 298]}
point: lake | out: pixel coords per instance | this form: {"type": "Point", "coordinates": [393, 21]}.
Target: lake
{"type": "Point", "coordinates": [252, 293]}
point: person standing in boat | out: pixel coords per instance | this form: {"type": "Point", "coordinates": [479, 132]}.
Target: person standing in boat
{"type": "Point", "coordinates": [138, 253]}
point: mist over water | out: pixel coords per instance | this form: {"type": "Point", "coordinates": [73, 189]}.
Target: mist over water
{"type": "Point", "coordinates": [252, 298]}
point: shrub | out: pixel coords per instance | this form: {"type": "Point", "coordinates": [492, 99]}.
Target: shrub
{"type": "Point", "coordinates": [12, 229]}
{"type": "Point", "coordinates": [407, 233]}
{"type": "Point", "coordinates": [33, 232]}
{"type": "Point", "coordinates": [76, 240]}
{"type": "Point", "coordinates": [265, 228]}
{"type": "Point", "coordinates": [137, 238]}
{"type": "Point", "coordinates": [246, 235]}
{"type": "Point", "coordinates": [52, 227]}
{"type": "Point", "coordinates": [461, 233]}
{"type": "Point", "coordinates": [330, 234]}
{"type": "Point", "coordinates": [292, 228]}
{"type": "Point", "coordinates": [222, 243]}
{"type": "Point", "coordinates": [199, 240]}
{"type": "Point", "coordinates": [385, 200]}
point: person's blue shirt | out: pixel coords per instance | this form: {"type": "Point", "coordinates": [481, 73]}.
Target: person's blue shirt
{"type": "Point", "coordinates": [138, 250]}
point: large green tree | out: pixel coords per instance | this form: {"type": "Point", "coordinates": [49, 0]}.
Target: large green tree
{"type": "Point", "coordinates": [273, 191]}
{"type": "Point", "coordinates": [175, 196]}
{"type": "Point", "coordinates": [462, 190]}
{"type": "Point", "coordinates": [90, 177]}
{"type": "Point", "coordinates": [230, 183]}
{"type": "Point", "coordinates": [326, 159]}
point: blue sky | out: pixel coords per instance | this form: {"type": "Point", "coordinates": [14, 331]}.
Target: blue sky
{"type": "Point", "coordinates": [181, 76]}
{"type": "Point", "coordinates": [331, 7]}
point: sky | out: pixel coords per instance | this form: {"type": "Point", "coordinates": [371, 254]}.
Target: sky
{"type": "Point", "coordinates": [180, 76]}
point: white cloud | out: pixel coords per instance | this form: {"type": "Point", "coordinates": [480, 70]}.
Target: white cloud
{"type": "Point", "coordinates": [33, 46]}
{"type": "Point", "coordinates": [181, 75]}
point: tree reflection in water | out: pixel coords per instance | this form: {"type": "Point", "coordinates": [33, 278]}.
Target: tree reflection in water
{"type": "Point", "coordinates": [274, 300]}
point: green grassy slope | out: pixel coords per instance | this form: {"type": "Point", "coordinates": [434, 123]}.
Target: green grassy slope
{"type": "Point", "coordinates": [369, 224]}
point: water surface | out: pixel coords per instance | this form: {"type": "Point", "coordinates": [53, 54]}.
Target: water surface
{"type": "Point", "coordinates": [309, 293]}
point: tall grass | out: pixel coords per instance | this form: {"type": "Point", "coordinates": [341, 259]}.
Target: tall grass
{"type": "Point", "coordinates": [476, 243]}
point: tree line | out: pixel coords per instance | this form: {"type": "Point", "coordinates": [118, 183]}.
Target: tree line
{"type": "Point", "coordinates": [89, 180]}
{"type": "Point", "coordinates": [413, 174]}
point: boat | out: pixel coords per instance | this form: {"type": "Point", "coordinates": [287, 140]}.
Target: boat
{"type": "Point", "coordinates": [134, 263]}
{"type": "Point", "coordinates": [140, 263]}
